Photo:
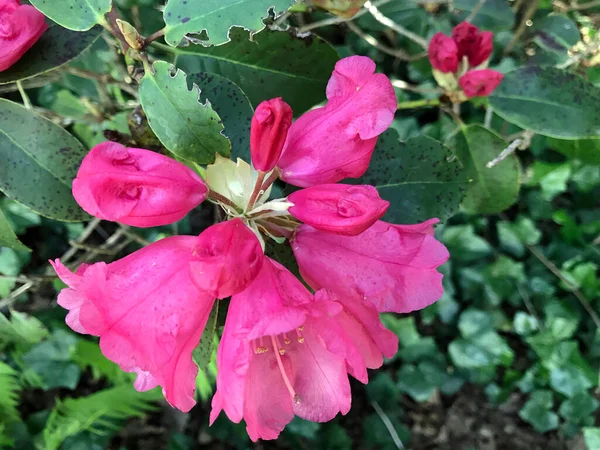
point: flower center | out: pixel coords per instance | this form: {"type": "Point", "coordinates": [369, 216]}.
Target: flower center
{"type": "Point", "coordinates": [273, 343]}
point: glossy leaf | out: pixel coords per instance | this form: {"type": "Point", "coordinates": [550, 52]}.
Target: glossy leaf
{"type": "Point", "coordinates": [556, 33]}
{"type": "Point", "coordinates": [188, 128]}
{"type": "Point", "coordinates": [491, 15]}
{"type": "Point", "coordinates": [216, 17]}
{"type": "Point", "coordinates": [273, 64]}
{"type": "Point", "coordinates": [549, 101]}
{"type": "Point", "coordinates": [8, 238]}
{"type": "Point", "coordinates": [232, 106]}
{"type": "Point", "coordinates": [491, 189]}
{"type": "Point", "coordinates": [76, 15]}
{"type": "Point", "coordinates": [420, 178]}
{"type": "Point", "coordinates": [56, 47]}
{"type": "Point", "coordinates": [39, 162]}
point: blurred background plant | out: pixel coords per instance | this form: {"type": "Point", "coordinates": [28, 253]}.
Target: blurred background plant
{"type": "Point", "coordinates": [508, 359]}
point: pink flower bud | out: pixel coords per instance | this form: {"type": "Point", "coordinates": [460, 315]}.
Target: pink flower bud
{"type": "Point", "coordinates": [443, 53]}
{"type": "Point", "coordinates": [475, 45]}
{"type": "Point", "coordinates": [226, 259]}
{"type": "Point", "coordinates": [20, 27]}
{"type": "Point", "coordinates": [135, 186]}
{"type": "Point", "coordinates": [270, 124]}
{"type": "Point", "coordinates": [338, 208]}
{"type": "Point", "coordinates": [480, 83]}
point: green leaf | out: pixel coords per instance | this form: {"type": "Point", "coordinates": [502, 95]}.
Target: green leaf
{"type": "Point", "coordinates": [216, 17]}
{"type": "Point", "coordinates": [76, 15]}
{"type": "Point", "coordinates": [473, 322]}
{"type": "Point", "coordinates": [203, 352]}
{"type": "Point", "coordinates": [591, 435]}
{"type": "Point", "coordinates": [52, 361]}
{"type": "Point", "coordinates": [56, 47]}
{"type": "Point", "coordinates": [578, 407]}
{"type": "Point", "coordinates": [586, 150]}
{"type": "Point", "coordinates": [39, 162]}
{"type": "Point", "coordinates": [186, 127]}
{"type": "Point", "coordinates": [232, 106]}
{"type": "Point", "coordinates": [485, 349]}
{"type": "Point", "coordinates": [7, 236]}
{"type": "Point", "coordinates": [556, 33]}
{"type": "Point", "coordinates": [21, 330]}
{"type": "Point", "coordinates": [272, 64]}
{"type": "Point", "coordinates": [549, 101]}
{"type": "Point", "coordinates": [569, 380]}
{"type": "Point", "coordinates": [9, 394]}
{"type": "Point", "coordinates": [419, 177]}
{"type": "Point", "coordinates": [494, 15]}
{"type": "Point", "coordinates": [525, 324]}
{"type": "Point", "coordinates": [491, 189]}
{"type": "Point", "coordinates": [537, 412]}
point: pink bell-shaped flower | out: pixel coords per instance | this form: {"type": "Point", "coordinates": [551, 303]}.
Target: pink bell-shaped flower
{"type": "Point", "coordinates": [136, 187]}
{"type": "Point", "coordinates": [147, 311]}
{"type": "Point", "coordinates": [338, 208]}
{"type": "Point", "coordinates": [226, 258]}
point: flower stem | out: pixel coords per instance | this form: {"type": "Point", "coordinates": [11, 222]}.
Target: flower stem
{"type": "Point", "coordinates": [257, 190]}
{"type": "Point", "coordinates": [24, 96]}
{"type": "Point", "coordinates": [423, 103]}
{"type": "Point", "coordinates": [215, 197]}
{"type": "Point", "coordinates": [271, 179]}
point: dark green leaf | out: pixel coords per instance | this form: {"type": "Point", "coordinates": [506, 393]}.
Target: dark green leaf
{"type": "Point", "coordinates": [186, 127]}
{"type": "Point", "coordinates": [569, 380]}
{"type": "Point", "coordinates": [203, 352]}
{"type": "Point", "coordinates": [492, 15]}
{"type": "Point", "coordinates": [587, 150]}
{"type": "Point", "coordinates": [549, 101]}
{"type": "Point", "coordinates": [491, 189]}
{"type": "Point", "coordinates": [77, 15]}
{"type": "Point", "coordinates": [39, 162]}
{"type": "Point", "coordinates": [56, 47]}
{"type": "Point", "coordinates": [216, 17]}
{"type": "Point", "coordinates": [273, 64]}
{"type": "Point", "coordinates": [556, 33]}
{"type": "Point", "coordinates": [232, 106]}
{"type": "Point", "coordinates": [419, 177]}
{"type": "Point", "coordinates": [7, 236]}
{"type": "Point", "coordinates": [537, 412]}
{"type": "Point", "coordinates": [578, 407]}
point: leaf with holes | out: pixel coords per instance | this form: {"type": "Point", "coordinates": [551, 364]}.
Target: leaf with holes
{"type": "Point", "coordinates": [492, 189]}
{"type": "Point", "coordinates": [39, 162]}
{"type": "Point", "coordinates": [186, 127]}
{"type": "Point", "coordinates": [76, 15]}
{"type": "Point", "coordinates": [56, 47]}
{"type": "Point", "coordinates": [549, 101]}
{"type": "Point", "coordinates": [273, 64]}
{"type": "Point", "coordinates": [232, 106]}
{"type": "Point", "coordinates": [420, 178]}
{"type": "Point", "coordinates": [216, 17]}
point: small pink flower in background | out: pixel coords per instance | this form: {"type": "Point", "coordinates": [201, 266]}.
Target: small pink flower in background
{"type": "Point", "coordinates": [285, 353]}
{"type": "Point", "coordinates": [480, 83]}
{"type": "Point", "coordinates": [469, 44]}
{"type": "Point", "coordinates": [270, 124]}
{"type": "Point", "coordinates": [392, 266]}
{"type": "Point", "coordinates": [338, 208]}
{"type": "Point", "coordinates": [443, 53]}
{"type": "Point", "coordinates": [20, 27]}
{"type": "Point", "coordinates": [135, 186]}
{"type": "Point", "coordinates": [147, 311]}
{"type": "Point", "coordinates": [334, 142]}
{"type": "Point", "coordinates": [226, 258]}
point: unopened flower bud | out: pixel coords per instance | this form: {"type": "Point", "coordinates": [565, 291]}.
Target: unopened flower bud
{"type": "Point", "coordinates": [474, 44]}
{"type": "Point", "coordinates": [270, 124]}
{"type": "Point", "coordinates": [131, 35]}
{"type": "Point", "coordinates": [443, 53]}
{"type": "Point", "coordinates": [480, 83]}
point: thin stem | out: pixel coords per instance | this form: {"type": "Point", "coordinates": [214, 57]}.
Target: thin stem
{"type": "Point", "coordinates": [388, 425]}
{"type": "Point", "coordinates": [258, 190]}
{"type": "Point", "coordinates": [100, 78]}
{"type": "Point", "coordinates": [400, 54]}
{"type": "Point", "coordinates": [489, 115]}
{"type": "Point", "coordinates": [153, 37]}
{"type": "Point", "coordinates": [215, 197]}
{"type": "Point", "coordinates": [401, 84]}
{"type": "Point", "coordinates": [24, 96]}
{"type": "Point", "coordinates": [336, 20]}
{"type": "Point", "coordinates": [272, 178]}
{"type": "Point", "coordinates": [423, 103]}
{"type": "Point", "coordinates": [276, 230]}
{"type": "Point", "coordinates": [475, 10]}
{"type": "Point", "coordinates": [530, 10]}
{"type": "Point", "coordinates": [379, 17]}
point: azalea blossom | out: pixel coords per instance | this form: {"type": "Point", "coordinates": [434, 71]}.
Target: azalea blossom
{"type": "Point", "coordinates": [285, 350]}
{"type": "Point", "coordinates": [460, 62]}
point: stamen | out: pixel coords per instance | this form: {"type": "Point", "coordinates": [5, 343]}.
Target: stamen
{"type": "Point", "coordinates": [286, 380]}
{"type": "Point", "coordinates": [281, 350]}
{"type": "Point", "coordinates": [286, 339]}
{"type": "Point", "coordinates": [300, 337]}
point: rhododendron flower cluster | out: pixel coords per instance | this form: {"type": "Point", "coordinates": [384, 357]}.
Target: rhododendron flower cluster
{"type": "Point", "coordinates": [20, 27]}
{"type": "Point", "coordinates": [461, 61]}
{"type": "Point", "coordinates": [286, 349]}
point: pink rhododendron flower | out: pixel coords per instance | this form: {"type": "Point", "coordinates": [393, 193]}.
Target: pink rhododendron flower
{"type": "Point", "coordinates": [270, 124]}
{"type": "Point", "coordinates": [480, 83]}
{"type": "Point", "coordinates": [338, 208]}
{"type": "Point", "coordinates": [147, 311]}
{"type": "Point", "coordinates": [334, 142]}
{"type": "Point", "coordinates": [20, 27]}
{"type": "Point", "coordinates": [443, 53]}
{"type": "Point", "coordinates": [135, 186]}
{"type": "Point", "coordinates": [474, 44]}
{"type": "Point", "coordinates": [285, 352]}
{"type": "Point", "coordinates": [392, 266]}
{"type": "Point", "coordinates": [226, 258]}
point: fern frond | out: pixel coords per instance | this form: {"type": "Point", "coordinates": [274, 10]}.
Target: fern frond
{"type": "Point", "coordinates": [5, 440]}
{"type": "Point", "coordinates": [97, 413]}
{"type": "Point", "coordinates": [9, 393]}
{"type": "Point", "coordinates": [21, 330]}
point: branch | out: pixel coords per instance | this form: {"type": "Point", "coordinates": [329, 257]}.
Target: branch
{"type": "Point", "coordinates": [394, 26]}
{"type": "Point", "coordinates": [530, 10]}
{"type": "Point", "coordinates": [400, 54]}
